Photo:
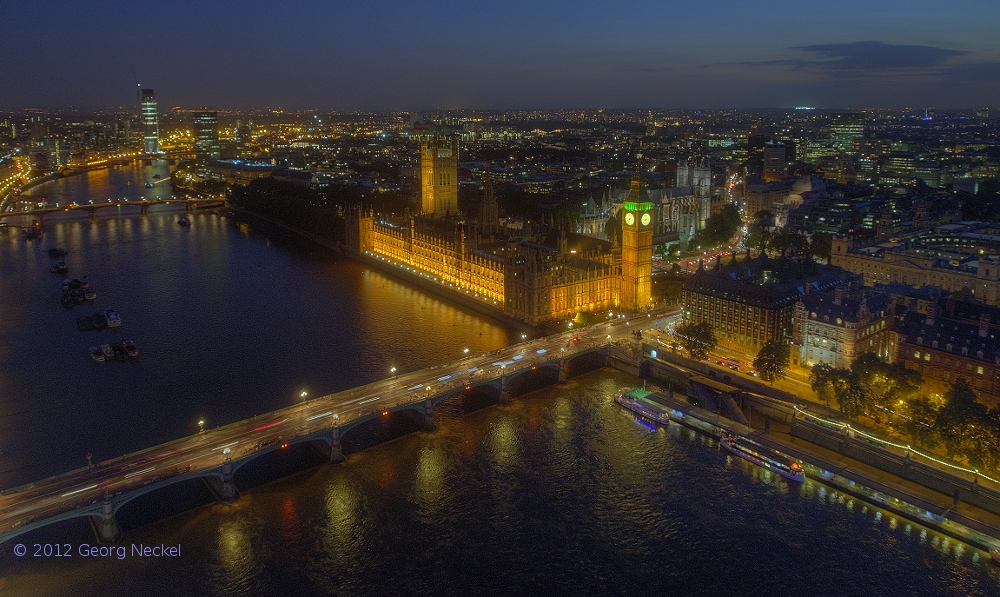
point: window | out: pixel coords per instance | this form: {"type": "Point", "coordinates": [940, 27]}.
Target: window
{"type": "Point", "coordinates": [916, 355]}
{"type": "Point", "coordinates": [979, 369]}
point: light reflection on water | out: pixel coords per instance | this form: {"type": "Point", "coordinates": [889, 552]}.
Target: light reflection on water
{"type": "Point", "coordinates": [491, 503]}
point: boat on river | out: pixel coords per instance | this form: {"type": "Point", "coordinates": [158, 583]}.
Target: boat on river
{"type": "Point", "coordinates": [184, 222]}
{"type": "Point", "coordinates": [97, 354]}
{"type": "Point", "coordinates": [130, 348]}
{"type": "Point", "coordinates": [762, 456]}
{"type": "Point", "coordinates": [634, 399]}
{"type": "Point", "coordinates": [114, 320]}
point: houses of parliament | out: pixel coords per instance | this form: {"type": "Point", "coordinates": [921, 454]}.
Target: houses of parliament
{"type": "Point", "coordinates": [534, 274]}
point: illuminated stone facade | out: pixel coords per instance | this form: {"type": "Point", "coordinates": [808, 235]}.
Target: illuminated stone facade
{"type": "Point", "coordinates": [637, 248]}
{"type": "Point", "coordinates": [836, 327]}
{"type": "Point", "coordinates": [439, 174]}
{"type": "Point", "coordinates": [952, 340]}
{"type": "Point", "coordinates": [750, 302]}
{"type": "Point", "coordinates": [436, 252]}
{"type": "Point", "coordinates": [534, 275]}
{"type": "Point", "coordinates": [552, 277]}
{"type": "Point", "coordinates": [925, 262]}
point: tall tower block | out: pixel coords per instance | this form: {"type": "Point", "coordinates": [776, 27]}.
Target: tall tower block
{"type": "Point", "coordinates": [150, 123]}
{"type": "Point", "coordinates": [637, 247]}
{"type": "Point", "coordinates": [439, 173]}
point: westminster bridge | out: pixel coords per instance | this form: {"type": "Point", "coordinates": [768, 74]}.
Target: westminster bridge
{"type": "Point", "coordinates": [99, 491]}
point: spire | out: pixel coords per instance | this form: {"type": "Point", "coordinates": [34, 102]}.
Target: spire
{"type": "Point", "coordinates": [637, 190]}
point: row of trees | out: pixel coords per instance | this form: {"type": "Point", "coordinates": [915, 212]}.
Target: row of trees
{"type": "Point", "coordinates": [962, 426]}
{"type": "Point", "coordinates": [289, 204]}
{"type": "Point", "coordinates": [764, 236]}
{"type": "Point", "coordinates": [965, 428]}
{"type": "Point", "coordinates": [719, 228]}
{"type": "Point", "coordinates": [869, 387]}
{"type": "Point", "coordinates": [699, 339]}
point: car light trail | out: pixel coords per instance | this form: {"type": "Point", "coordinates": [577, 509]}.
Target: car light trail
{"type": "Point", "coordinates": [79, 490]}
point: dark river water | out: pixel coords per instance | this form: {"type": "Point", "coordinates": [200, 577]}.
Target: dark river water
{"type": "Point", "coordinates": [558, 493]}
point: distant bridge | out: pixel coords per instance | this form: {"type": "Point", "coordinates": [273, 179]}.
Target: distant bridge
{"type": "Point", "coordinates": [100, 491]}
{"type": "Point", "coordinates": [92, 209]}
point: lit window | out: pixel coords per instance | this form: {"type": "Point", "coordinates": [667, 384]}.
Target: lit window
{"type": "Point", "coordinates": [979, 370]}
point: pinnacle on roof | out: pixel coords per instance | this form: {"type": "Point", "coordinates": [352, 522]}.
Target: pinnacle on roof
{"type": "Point", "coordinates": [637, 191]}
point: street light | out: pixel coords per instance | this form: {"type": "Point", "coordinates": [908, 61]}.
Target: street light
{"type": "Point", "coordinates": [465, 351]}
{"type": "Point", "coordinates": [201, 426]}
{"type": "Point", "coordinates": [303, 396]}
{"type": "Point", "coordinates": [392, 371]}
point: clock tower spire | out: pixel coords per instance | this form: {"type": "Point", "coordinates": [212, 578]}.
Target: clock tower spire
{"type": "Point", "coordinates": [637, 247]}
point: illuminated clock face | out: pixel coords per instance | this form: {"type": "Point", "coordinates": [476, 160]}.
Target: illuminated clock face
{"type": "Point", "coordinates": [645, 219]}
{"type": "Point", "coordinates": [630, 218]}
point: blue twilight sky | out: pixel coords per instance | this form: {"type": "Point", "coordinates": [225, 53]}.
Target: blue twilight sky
{"type": "Point", "coordinates": [372, 54]}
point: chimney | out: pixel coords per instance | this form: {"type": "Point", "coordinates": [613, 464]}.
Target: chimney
{"type": "Point", "coordinates": [984, 325]}
{"type": "Point", "coordinates": [838, 295]}
{"type": "Point", "coordinates": [931, 312]}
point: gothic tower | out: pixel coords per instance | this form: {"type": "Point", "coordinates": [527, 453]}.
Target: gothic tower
{"type": "Point", "coordinates": [439, 174]}
{"type": "Point", "coordinates": [489, 215]}
{"type": "Point", "coordinates": [637, 247]}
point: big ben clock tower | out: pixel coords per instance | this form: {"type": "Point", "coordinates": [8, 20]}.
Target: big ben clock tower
{"type": "Point", "coordinates": [637, 247]}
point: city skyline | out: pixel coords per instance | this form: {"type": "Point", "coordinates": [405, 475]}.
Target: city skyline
{"type": "Point", "coordinates": [671, 55]}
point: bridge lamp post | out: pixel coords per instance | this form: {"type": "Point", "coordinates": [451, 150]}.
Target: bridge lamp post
{"type": "Point", "coordinates": [392, 371]}
{"type": "Point", "coordinates": [201, 426]}
{"type": "Point", "coordinates": [304, 395]}
{"type": "Point", "coordinates": [465, 351]}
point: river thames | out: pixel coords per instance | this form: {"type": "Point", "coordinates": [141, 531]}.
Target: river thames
{"type": "Point", "coordinates": [559, 492]}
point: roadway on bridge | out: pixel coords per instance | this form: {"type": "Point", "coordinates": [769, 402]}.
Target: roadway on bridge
{"type": "Point", "coordinates": [210, 449]}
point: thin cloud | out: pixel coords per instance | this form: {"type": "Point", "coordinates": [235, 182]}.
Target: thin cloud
{"type": "Point", "coordinates": [875, 56]}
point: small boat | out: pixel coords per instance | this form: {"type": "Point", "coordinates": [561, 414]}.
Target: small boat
{"type": "Point", "coordinates": [67, 300]}
{"type": "Point", "coordinates": [97, 354]}
{"type": "Point", "coordinates": [84, 282]}
{"type": "Point", "coordinates": [65, 285]}
{"type": "Point", "coordinates": [635, 400]}
{"type": "Point", "coordinates": [90, 294]}
{"type": "Point", "coordinates": [99, 321]}
{"type": "Point", "coordinates": [107, 351]}
{"type": "Point", "coordinates": [75, 284]}
{"type": "Point", "coordinates": [763, 456]}
{"type": "Point", "coordinates": [130, 348]}
{"type": "Point", "coordinates": [59, 267]}
{"type": "Point", "coordinates": [149, 185]}
{"type": "Point", "coordinates": [55, 252]}
{"type": "Point", "coordinates": [112, 316]}
{"type": "Point", "coordinates": [184, 222]}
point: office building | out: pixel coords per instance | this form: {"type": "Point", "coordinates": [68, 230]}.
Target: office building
{"type": "Point", "coordinates": [150, 123]}
{"type": "Point", "coordinates": [206, 135]}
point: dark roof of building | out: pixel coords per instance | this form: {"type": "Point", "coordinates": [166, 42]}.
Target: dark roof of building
{"type": "Point", "coordinates": [849, 309]}
{"type": "Point", "coordinates": [765, 282]}
{"type": "Point", "coordinates": [951, 336]}
{"type": "Point", "coordinates": [927, 293]}
{"type": "Point", "coordinates": [581, 243]}
{"type": "Point", "coordinates": [290, 173]}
